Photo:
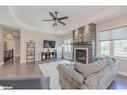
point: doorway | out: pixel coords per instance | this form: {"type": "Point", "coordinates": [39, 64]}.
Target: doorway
{"type": "Point", "coordinates": [11, 44]}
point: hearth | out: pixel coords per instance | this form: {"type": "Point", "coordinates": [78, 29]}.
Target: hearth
{"type": "Point", "coordinates": [81, 55]}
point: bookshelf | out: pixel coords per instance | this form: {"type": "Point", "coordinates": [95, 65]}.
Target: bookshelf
{"type": "Point", "coordinates": [30, 51]}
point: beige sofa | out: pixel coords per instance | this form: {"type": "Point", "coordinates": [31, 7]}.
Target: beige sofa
{"type": "Point", "coordinates": [97, 75]}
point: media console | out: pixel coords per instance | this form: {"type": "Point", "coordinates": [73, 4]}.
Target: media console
{"type": "Point", "coordinates": [48, 55]}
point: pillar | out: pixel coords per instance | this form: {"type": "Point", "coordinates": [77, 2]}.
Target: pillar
{"type": "Point", "coordinates": [1, 46]}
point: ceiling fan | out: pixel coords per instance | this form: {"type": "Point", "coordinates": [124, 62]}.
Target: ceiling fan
{"type": "Point", "coordinates": [56, 19]}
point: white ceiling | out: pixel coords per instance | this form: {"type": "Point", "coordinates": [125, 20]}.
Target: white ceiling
{"type": "Point", "coordinates": [32, 17]}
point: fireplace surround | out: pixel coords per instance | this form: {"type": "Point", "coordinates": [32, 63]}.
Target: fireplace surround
{"type": "Point", "coordinates": [81, 55]}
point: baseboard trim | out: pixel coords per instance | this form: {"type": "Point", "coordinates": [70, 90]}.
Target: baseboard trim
{"type": "Point", "coordinates": [38, 60]}
{"type": "Point", "coordinates": [122, 73]}
{"type": "Point", "coordinates": [16, 55]}
{"type": "Point", "coordinates": [24, 61]}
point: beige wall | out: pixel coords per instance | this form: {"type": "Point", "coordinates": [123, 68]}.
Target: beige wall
{"type": "Point", "coordinates": [17, 46]}
{"type": "Point", "coordinates": [38, 38]}
{"type": "Point", "coordinates": [121, 21]}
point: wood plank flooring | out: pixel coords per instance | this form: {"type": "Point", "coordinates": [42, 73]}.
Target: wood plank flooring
{"type": "Point", "coordinates": [16, 68]}
{"type": "Point", "coordinates": [19, 69]}
{"type": "Point", "coordinates": [119, 83]}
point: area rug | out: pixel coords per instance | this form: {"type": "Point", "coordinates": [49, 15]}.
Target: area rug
{"type": "Point", "coordinates": [50, 70]}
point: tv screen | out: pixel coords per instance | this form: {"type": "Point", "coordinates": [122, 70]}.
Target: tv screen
{"type": "Point", "coordinates": [48, 44]}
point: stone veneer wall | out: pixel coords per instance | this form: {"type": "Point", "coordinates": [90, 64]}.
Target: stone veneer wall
{"type": "Point", "coordinates": [90, 44]}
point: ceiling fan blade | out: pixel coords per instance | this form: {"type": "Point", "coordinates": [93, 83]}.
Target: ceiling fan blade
{"type": "Point", "coordinates": [52, 15]}
{"type": "Point", "coordinates": [48, 20]}
{"type": "Point", "coordinates": [62, 18]}
{"type": "Point", "coordinates": [62, 22]}
{"type": "Point", "coordinates": [56, 13]}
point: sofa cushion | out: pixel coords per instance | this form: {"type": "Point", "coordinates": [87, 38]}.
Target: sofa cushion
{"type": "Point", "coordinates": [69, 71]}
{"type": "Point", "coordinates": [88, 69]}
{"type": "Point", "coordinates": [84, 86]}
{"type": "Point", "coordinates": [92, 81]}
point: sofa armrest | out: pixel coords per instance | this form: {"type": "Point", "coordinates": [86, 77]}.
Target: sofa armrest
{"type": "Point", "coordinates": [69, 71]}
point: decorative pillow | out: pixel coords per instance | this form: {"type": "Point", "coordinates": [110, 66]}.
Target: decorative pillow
{"type": "Point", "coordinates": [99, 58]}
{"type": "Point", "coordinates": [108, 59]}
{"type": "Point", "coordinates": [88, 69]}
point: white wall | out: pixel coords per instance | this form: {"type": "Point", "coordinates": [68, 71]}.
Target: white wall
{"type": "Point", "coordinates": [38, 38]}
{"type": "Point", "coordinates": [111, 24]}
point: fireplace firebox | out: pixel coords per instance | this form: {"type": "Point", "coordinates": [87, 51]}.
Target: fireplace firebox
{"type": "Point", "coordinates": [81, 55]}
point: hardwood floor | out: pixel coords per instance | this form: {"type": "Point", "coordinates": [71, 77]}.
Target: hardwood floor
{"type": "Point", "coordinates": [119, 83]}
{"type": "Point", "coordinates": [15, 68]}
{"type": "Point", "coordinates": [26, 69]}
{"type": "Point", "coordinates": [19, 69]}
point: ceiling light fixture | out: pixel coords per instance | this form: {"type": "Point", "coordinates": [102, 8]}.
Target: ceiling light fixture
{"type": "Point", "coordinates": [56, 19]}
{"type": "Point", "coordinates": [9, 36]}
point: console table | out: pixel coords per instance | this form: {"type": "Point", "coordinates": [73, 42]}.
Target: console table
{"type": "Point", "coordinates": [48, 55]}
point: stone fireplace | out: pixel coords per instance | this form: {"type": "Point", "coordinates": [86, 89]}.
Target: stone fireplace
{"type": "Point", "coordinates": [84, 44]}
{"type": "Point", "coordinates": [81, 55]}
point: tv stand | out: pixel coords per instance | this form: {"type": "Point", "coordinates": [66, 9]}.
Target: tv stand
{"type": "Point", "coordinates": [48, 55]}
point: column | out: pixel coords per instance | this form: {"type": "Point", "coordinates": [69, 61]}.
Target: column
{"type": "Point", "coordinates": [1, 46]}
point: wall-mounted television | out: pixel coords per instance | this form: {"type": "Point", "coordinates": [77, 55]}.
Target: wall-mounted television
{"type": "Point", "coordinates": [49, 44]}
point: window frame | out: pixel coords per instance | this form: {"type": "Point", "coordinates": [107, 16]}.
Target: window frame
{"type": "Point", "coordinates": [68, 44]}
{"type": "Point", "coordinates": [112, 49]}
{"type": "Point", "coordinates": [100, 48]}
{"type": "Point", "coordinates": [113, 34]}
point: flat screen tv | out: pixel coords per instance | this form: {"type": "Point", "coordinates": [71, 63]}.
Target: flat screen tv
{"type": "Point", "coordinates": [49, 44]}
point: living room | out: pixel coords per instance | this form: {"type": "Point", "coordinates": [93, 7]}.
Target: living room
{"type": "Point", "coordinates": [59, 36]}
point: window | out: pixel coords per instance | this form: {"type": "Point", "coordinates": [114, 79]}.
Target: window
{"type": "Point", "coordinates": [105, 47]}
{"type": "Point", "coordinates": [65, 48]}
{"type": "Point", "coordinates": [113, 42]}
{"type": "Point", "coordinates": [67, 45]}
{"type": "Point", "coordinates": [120, 48]}
{"type": "Point", "coordinates": [69, 48]}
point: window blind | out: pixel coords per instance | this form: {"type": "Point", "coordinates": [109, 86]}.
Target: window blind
{"type": "Point", "coordinates": [114, 34]}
